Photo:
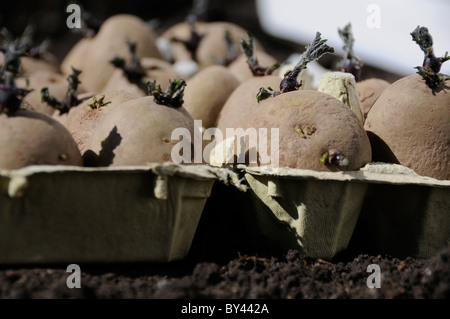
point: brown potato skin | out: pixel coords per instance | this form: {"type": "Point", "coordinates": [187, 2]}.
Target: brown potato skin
{"type": "Point", "coordinates": [31, 138]}
{"type": "Point", "coordinates": [242, 105]}
{"type": "Point", "coordinates": [82, 119]}
{"type": "Point", "coordinates": [111, 40]}
{"type": "Point", "coordinates": [56, 83]}
{"type": "Point", "coordinates": [158, 70]}
{"type": "Point", "coordinates": [336, 127]}
{"type": "Point", "coordinates": [410, 124]}
{"type": "Point", "coordinates": [76, 56]}
{"type": "Point", "coordinates": [369, 90]}
{"type": "Point", "coordinates": [144, 131]}
{"type": "Point", "coordinates": [240, 69]}
{"type": "Point", "coordinates": [207, 92]}
{"type": "Point", "coordinates": [28, 65]}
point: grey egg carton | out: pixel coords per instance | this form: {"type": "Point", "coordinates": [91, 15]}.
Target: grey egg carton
{"type": "Point", "coordinates": [65, 214]}
{"type": "Point", "coordinates": [317, 212]}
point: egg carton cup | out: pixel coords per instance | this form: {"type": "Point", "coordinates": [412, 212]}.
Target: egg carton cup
{"type": "Point", "coordinates": [317, 212]}
{"type": "Point", "coordinates": [66, 214]}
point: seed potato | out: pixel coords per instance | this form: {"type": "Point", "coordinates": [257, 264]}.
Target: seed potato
{"type": "Point", "coordinates": [31, 138]}
{"type": "Point", "coordinates": [207, 92]}
{"type": "Point", "coordinates": [410, 124]}
{"type": "Point", "coordinates": [311, 124]}
{"type": "Point", "coordinates": [369, 90]}
{"type": "Point", "coordinates": [242, 105]}
{"type": "Point", "coordinates": [137, 132]}
{"type": "Point", "coordinates": [94, 55]}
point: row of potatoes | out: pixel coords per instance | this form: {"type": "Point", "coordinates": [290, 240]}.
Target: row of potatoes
{"type": "Point", "coordinates": [196, 71]}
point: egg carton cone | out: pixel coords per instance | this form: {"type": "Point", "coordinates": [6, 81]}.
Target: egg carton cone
{"type": "Point", "coordinates": [317, 212]}
{"type": "Point", "coordinates": [65, 214]}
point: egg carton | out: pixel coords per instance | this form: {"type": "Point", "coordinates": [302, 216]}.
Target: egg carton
{"type": "Point", "coordinates": [318, 212]}
{"type": "Point", "coordinates": [66, 214]}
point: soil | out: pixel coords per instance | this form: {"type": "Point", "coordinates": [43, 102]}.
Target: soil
{"type": "Point", "coordinates": [226, 262]}
{"type": "Point", "coordinates": [291, 276]}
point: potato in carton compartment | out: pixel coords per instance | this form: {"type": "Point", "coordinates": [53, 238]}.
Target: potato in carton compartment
{"type": "Point", "coordinates": [317, 212]}
{"type": "Point", "coordinates": [62, 214]}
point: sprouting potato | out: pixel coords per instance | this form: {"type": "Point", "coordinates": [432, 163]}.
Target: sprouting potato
{"type": "Point", "coordinates": [36, 57]}
{"type": "Point", "coordinates": [36, 81]}
{"type": "Point", "coordinates": [93, 55]}
{"type": "Point", "coordinates": [207, 43]}
{"type": "Point", "coordinates": [82, 119]}
{"type": "Point", "coordinates": [316, 131]}
{"type": "Point", "coordinates": [239, 67]}
{"type": "Point", "coordinates": [30, 65]}
{"type": "Point", "coordinates": [28, 137]}
{"type": "Point", "coordinates": [133, 75]}
{"type": "Point", "coordinates": [409, 123]}
{"type": "Point", "coordinates": [255, 73]}
{"type": "Point", "coordinates": [242, 104]}
{"type": "Point", "coordinates": [139, 131]}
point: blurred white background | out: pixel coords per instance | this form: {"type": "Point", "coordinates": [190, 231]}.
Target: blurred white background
{"type": "Point", "coordinates": [381, 28]}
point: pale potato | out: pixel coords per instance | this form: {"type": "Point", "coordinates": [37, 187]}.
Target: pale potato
{"type": "Point", "coordinates": [93, 56]}
{"type": "Point", "coordinates": [409, 124]}
{"type": "Point", "coordinates": [241, 70]}
{"type": "Point", "coordinates": [207, 92]}
{"type": "Point", "coordinates": [369, 90]}
{"type": "Point", "coordinates": [32, 138]}
{"type": "Point", "coordinates": [212, 47]}
{"type": "Point", "coordinates": [137, 132]}
{"type": "Point", "coordinates": [310, 124]}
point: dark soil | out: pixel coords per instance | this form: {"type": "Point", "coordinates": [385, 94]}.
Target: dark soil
{"type": "Point", "coordinates": [291, 276]}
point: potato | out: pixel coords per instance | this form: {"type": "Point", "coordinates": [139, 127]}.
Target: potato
{"type": "Point", "coordinates": [82, 119]}
{"type": "Point", "coordinates": [31, 138]}
{"type": "Point", "coordinates": [316, 131]}
{"type": "Point", "coordinates": [55, 82]}
{"type": "Point", "coordinates": [242, 105]}
{"type": "Point", "coordinates": [76, 56]}
{"type": "Point", "coordinates": [29, 64]}
{"type": "Point", "coordinates": [158, 70]}
{"type": "Point", "coordinates": [212, 47]}
{"type": "Point", "coordinates": [94, 55]}
{"type": "Point", "coordinates": [207, 92]}
{"type": "Point", "coordinates": [410, 124]}
{"type": "Point", "coordinates": [240, 68]}
{"type": "Point", "coordinates": [137, 132]}
{"type": "Point", "coordinates": [369, 90]}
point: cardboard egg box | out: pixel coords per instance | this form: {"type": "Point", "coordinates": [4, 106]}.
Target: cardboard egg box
{"type": "Point", "coordinates": [65, 214]}
{"type": "Point", "coordinates": [392, 209]}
